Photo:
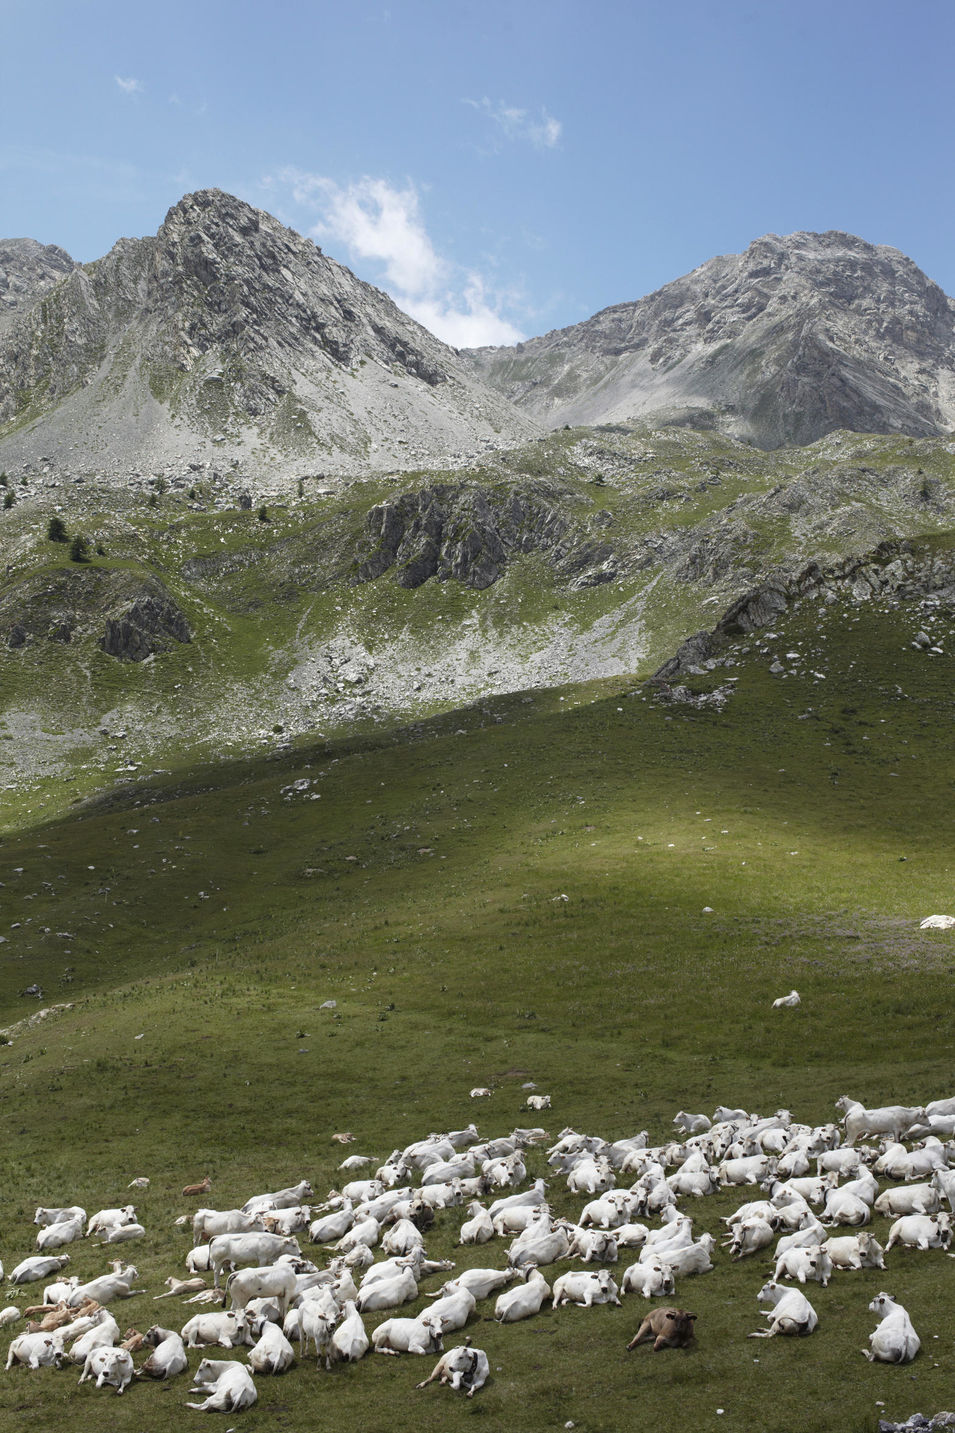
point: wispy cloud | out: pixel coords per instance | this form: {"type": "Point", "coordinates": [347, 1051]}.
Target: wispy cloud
{"type": "Point", "coordinates": [129, 86]}
{"type": "Point", "coordinates": [379, 223]}
{"type": "Point", "coordinates": [543, 131]}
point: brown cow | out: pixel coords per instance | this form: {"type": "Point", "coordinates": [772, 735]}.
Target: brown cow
{"type": "Point", "coordinates": [201, 1188]}
{"type": "Point", "coordinates": [669, 1328]}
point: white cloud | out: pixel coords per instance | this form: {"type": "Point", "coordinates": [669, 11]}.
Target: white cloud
{"type": "Point", "coordinates": [130, 86]}
{"type": "Point", "coordinates": [543, 132]}
{"type": "Point", "coordinates": [381, 224]}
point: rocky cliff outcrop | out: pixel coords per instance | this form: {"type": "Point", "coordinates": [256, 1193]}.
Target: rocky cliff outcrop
{"type": "Point", "coordinates": [900, 571]}
{"type": "Point", "coordinates": [469, 533]}
{"type": "Point", "coordinates": [790, 340]}
{"type": "Point", "coordinates": [148, 625]}
{"type": "Point", "coordinates": [69, 603]}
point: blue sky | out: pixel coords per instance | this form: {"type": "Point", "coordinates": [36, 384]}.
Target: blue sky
{"type": "Point", "coordinates": [500, 168]}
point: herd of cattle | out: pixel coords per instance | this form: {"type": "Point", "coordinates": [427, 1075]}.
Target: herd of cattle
{"type": "Point", "coordinates": [811, 1180]}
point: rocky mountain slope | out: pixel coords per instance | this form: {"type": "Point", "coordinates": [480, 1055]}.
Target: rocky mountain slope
{"type": "Point", "coordinates": [229, 337]}
{"type": "Point", "coordinates": [27, 270]}
{"type": "Point", "coordinates": [780, 345]}
{"type": "Point", "coordinates": [205, 625]}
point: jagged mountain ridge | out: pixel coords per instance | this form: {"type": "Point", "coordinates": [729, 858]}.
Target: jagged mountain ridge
{"type": "Point", "coordinates": [228, 332]}
{"type": "Point", "coordinates": [27, 269]}
{"type": "Point", "coordinates": [777, 346]}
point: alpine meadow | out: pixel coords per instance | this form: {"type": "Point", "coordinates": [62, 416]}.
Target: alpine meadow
{"type": "Point", "coordinates": [425, 773]}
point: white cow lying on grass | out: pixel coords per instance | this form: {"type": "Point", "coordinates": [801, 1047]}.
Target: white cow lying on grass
{"type": "Point", "coordinates": [35, 1350]}
{"type": "Point", "coordinates": [809, 1263]}
{"type": "Point", "coordinates": [855, 1251]}
{"type": "Point", "coordinates": [791, 1312]}
{"type": "Point", "coordinates": [420, 1336]}
{"type": "Point", "coordinates": [111, 1367]}
{"type": "Point", "coordinates": [525, 1300]}
{"type": "Point", "coordinates": [168, 1358]}
{"type": "Point", "coordinates": [585, 1288]}
{"type": "Point", "coordinates": [464, 1368]}
{"type": "Point", "coordinates": [229, 1386]}
{"type": "Point", "coordinates": [893, 1340]}
{"type": "Point", "coordinates": [921, 1231]}
{"type": "Point", "coordinates": [651, 1280]}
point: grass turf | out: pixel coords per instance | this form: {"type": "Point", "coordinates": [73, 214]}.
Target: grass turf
{"type": "Point", "coordinates": [424, 891]}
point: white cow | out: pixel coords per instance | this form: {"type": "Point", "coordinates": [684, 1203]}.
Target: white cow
{"type": "Point", "coordinates": [525, 1300]}
{"type": "Point", "coordinates": [281, 1199]}
{"type": "Point", "coordinates": [421, 1335]}
{"type": "Point", "coordinates": [886, 1119]}
{"type": "Point", "coordinates": [350, 1342]}
{"type": "Point", "coordinates": [651, 1280]}
{"type": "Point", "coordinates": [57, 1215]}
{"type": "Point", "coordinates": [539, 1245]}
{"type": "Point", "coordinates": [909, 1199]}
{"type": "Point", "coordinates": [111, 1367]}
{"type": "Point", "coordinates": [106, 1288]}
{"type": "Point", "coordinates": [272, 1352]}
{"type": "Point", "coordinates": [387, 1292]}
{"type": "Point", "coordinates": [54, 1236]}
{"type": "Point", "coordinates": [750, 1236]}
{"type": "Point", "coordinates": [786, 1001]}
{"type": "Point", "coordinates": [229, 1386]}
{"type": "Point", "coordinates": [168, 1358]}
{"type": "Point", "coordinates": [246, 1249]}
{"type": "Point", "coordinates": [315, 1328]}
{"type": "Point", "coordinates": [790, 1312]}
{"type": "Point", "coordinates": [464, 1369]}
{"type": "Point", "coordinates": [691, 1124]}
{"type": "Point", "coordinates": [38, 1266]}
{"type": "Point", "coordinates": [212, 1328]}
{"type": "Point", "coordinates": [329, 1227]}
{"type": "Point", "coordinates": [811, 1262]}
{"type": "Point", "coordinates": [855, 1251]}
{"type": "Point", "coordinates": [103, 1334]}
{"type": "Point", "coordinates": [452, 1307]}
{"type": "Point", "coordinates": [585, 1289]}
{"type": "Point", "coordinates": [106, 1219]}
{"type": "Point", "coordinates": [35, 1350]}
{"type": "Point", "coordinates": [921, 1231]}
{"type": "Point", "coordinates": [271, 1281]}
{"type": "Point", "coordinates": [482, 1283]}
{"type": "Point", "coordinates": [694, 1258]}
{"type": "Point", "coordinates": [207, 1223]}
{"type": "Point", "coordinates": [593, 1245]}
{"type": "Point", "coordinates": [893, 1340]}
{"type": "Point", "coordinates": [479, 1228]}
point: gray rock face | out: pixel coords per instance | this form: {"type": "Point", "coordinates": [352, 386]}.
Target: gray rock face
{"type": "Point", "coordinates": [469, 532]}
{"type": "Point", "coordinates": [27, 270]}
{"type": "Point", "coordinates": [896, 570]}
{"type": "Point", "coordinates": [777, 346]}
{"type": "Point", "coordinates": [226, 328]}
{"type": "Point", "coordinates": [148, 626]}
{"type": "Point", "coordinates": [69, 603]}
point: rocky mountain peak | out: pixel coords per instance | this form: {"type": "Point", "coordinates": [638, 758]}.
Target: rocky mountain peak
{"type": "Point", "coordinates": [228, 328]}
{"type": "Point", "coordinates": [795, 337]}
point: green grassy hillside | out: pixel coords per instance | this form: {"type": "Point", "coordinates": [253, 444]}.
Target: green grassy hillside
{"type": "Point", "coordinates": [286, 643]}
{"type": "Point", "coordinates": [584, 888]}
